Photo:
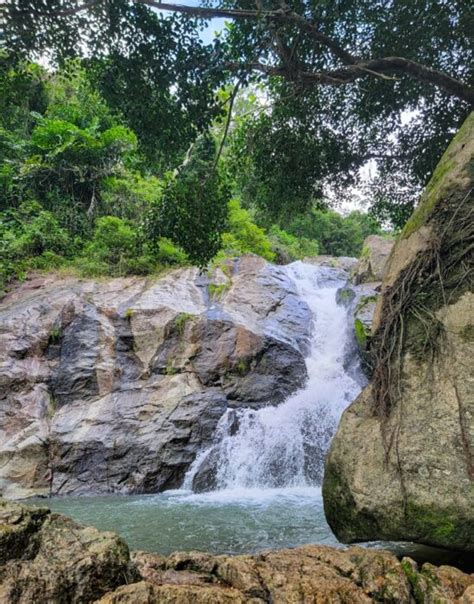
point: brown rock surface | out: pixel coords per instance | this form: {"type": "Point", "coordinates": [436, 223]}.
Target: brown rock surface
{"type": "Point", "coordinates": [373, 260]}
{"type": "Point", "coordinates": [312, 573]}
{"type": "Point", "coordinates": [48, 558]}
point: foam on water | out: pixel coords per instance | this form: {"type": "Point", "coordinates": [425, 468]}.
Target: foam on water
{"type": "Point", "coordinates": [247, 496]}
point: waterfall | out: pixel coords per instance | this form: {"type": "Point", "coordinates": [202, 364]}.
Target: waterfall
{"type": "Point", "coordinates": [285, 445]}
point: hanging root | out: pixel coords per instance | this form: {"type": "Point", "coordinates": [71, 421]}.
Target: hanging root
{"type": "Point", "coordinates": [438, 276]}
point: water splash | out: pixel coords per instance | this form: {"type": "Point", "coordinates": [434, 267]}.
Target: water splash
{"type": "Point", "coordinates": [285, 446]}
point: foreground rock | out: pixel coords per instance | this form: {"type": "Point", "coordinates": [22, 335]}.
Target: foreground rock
{"type": "Point", "coordinates": [114, 385]}
{"type": "Point", "coordinates": [401, 465]}
{"type": "Point", "coordinates": [48, 558]}
{"type": "Point", "coordinates": [313, 573]}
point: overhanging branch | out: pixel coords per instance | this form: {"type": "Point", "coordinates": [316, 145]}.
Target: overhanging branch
{"type": "Point", "coordinates": [375, 67]}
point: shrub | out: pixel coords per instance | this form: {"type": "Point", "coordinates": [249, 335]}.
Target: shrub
{"type": "Point", "coordinates": [30, 237]}
{"type": "Point", "coordinates": [113, 246]}
{"type": "Point", "coordinates": [129, 194]}
{"type": "Point", "coordinates": [288, 247]}
{"type": "Point", "coordinates": [169, 253]}
{"type": "Point", "coordinates": [40, 234]}
{"type": "Point", "coordinates": [243, 235]}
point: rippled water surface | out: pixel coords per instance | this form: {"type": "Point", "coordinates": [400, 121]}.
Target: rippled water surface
{"type": "Point", "coordinates": [223, 522]}
{"type": "Point", "coordinates": [230, 521]}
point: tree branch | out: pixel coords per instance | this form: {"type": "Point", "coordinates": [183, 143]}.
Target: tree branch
{"type": "Point", "coordinates": [194, 11]}
{"type": "Point", "coordinates": [290, 16]}
{"type": "Point", "coordinates": [375, 67]}
{"type": "Point", "coordinates": [354, 67]}
{"type": "Point", "coordinates": [227, 123]}
{"type": "Point", "coordinates": [394, 65]}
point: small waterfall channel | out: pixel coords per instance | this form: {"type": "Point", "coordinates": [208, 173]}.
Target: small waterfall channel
{"type": "Point", "coordinates": [284, 446]}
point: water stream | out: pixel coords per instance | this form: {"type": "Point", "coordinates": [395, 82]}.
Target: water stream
{"type": "Point", "coordinates": [285, 446]}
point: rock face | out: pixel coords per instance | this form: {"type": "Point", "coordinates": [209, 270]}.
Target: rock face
{"type": "Point", "coordinates": [373, 259]}
{"type": "Point", "coordinates": [113, 386]}
{"type": "Point", "coordinates": [401, 465]}
{"type": "Point", "coordinates": [313, 573]}
{"type": "Point", "coordinates": [49, 558]}
{"type": "Point", "coordinates": [367, 275]}
{"type": "Point", "coordinates": [345, 263]}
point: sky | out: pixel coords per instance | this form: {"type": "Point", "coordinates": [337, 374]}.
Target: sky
{"type": "Point", "coordinates": [214, 25]}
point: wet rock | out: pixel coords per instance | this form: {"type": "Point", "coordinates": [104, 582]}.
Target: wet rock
{"type": "Point", "coordinates": [114, 386]}
{"type": "Point", "coordinates": [345, 263]}
{"type": "Point", "coordinates": [205, 478]}
{"type": "Point", "coordinates": [401, 465]}
{"type": "Point", "coordinates": [364, 305]}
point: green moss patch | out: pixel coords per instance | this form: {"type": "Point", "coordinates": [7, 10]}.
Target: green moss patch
{"type": "Point", "coordinates": [467, 333]}
{"type": "Point", "coordinates": [360, 334]}
{"type": "Point", "coordinates": [436, 187]}
{"type": "Point", "coordinates": [438, 527]}
{"type": "Point", "coordinates": [181, 321]}
{"type": "Point", "coordinates": [217, 291]}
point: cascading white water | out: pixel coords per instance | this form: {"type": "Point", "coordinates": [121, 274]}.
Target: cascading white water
{"type": "Point", "coordinates": [284, 446]}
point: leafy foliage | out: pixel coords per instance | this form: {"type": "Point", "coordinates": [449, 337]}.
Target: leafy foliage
{"type": "Point", "coordinates": [243, 235]}
{"type": "Point", "coordinates": [68, 160]}
{"type": "Point", "coordinates": [192, 210]}
{"type": "Point", "coordinates": [30, 237]}
{"type": "Point", "coordinates": [313, 139]}
{"type": "Point", "coordinates": [310, 139]}
{"type": "Point", "coordinates": [335, 234]}
{"type": "Point", "coordinates": [288, 247]}
{"type": "Point", "coordinates": [76, 193]}
{"type": "Point", "coordinates": [130, 48]}
{"type": "Point", "coordinates": [115, 250]}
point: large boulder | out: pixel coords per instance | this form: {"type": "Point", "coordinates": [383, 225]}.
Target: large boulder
{"type": "Point", "coordinates": [115, 385]}
{"type": "Point", "coordinates": [401, 466]}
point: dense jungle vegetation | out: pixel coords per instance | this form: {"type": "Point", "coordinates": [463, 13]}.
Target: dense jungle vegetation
{"type": "Point", "coordinates": [129, 142]}
{"type": "Point", "coordinates": [78, 190]}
